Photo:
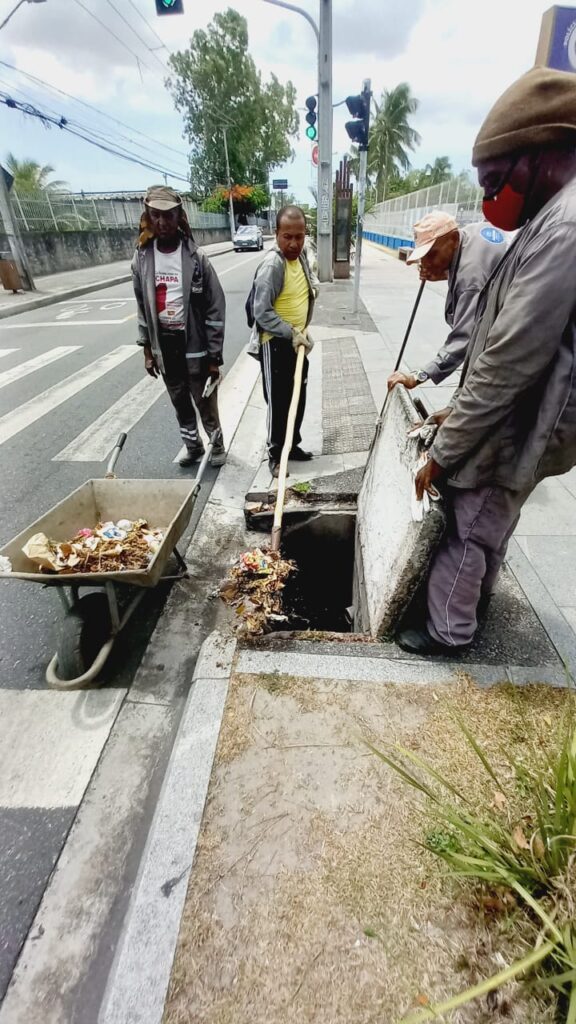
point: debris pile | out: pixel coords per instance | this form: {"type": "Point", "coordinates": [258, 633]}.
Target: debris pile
{"type": "Point", "coordinates": [254, 588]}
{"type": "Point", "coordinates": [124, 546]}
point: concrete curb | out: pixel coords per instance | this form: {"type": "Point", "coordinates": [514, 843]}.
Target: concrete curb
{"type": "Point", "coordinates": [140, 974]}
{"type": "Point", "coordinates": [51, 298]}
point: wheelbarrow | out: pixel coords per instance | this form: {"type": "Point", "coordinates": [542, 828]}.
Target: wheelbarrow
{"type": "Point", "coordinates": [92, 622]}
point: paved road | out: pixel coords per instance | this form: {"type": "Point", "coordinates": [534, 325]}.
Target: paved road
{"type": "Point", "coordinates": [70, 379]}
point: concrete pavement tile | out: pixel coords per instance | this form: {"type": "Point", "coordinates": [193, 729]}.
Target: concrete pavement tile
{"type": "Point", "coordinates": [570, 616]}
{"type": "Point", "coordinates": [541, 598]}
{"type": "Point", "coordinates": [549, 511]}
{"type": "Point", "coordinates": [51, 743]}
{"type": "Point", "coordinates": [312, 429]}
{"type": "Point", "coordinates": [554, 562]}
{"type": "Point", "coordinates": [30, 842]}
{"type": "Point", "coordinates": [568, 480]}
{"type": "Point", "coordinates": [215, 657]}
{"type": "Point", "coordinates": [62, 969]}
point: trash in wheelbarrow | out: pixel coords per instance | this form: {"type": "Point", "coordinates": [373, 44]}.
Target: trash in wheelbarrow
{"type": "Point", "coordinates": [123, 546]}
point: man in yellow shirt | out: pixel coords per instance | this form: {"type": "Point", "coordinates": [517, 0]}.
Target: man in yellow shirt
{"type": "Point", "coordinates": [284, 293]}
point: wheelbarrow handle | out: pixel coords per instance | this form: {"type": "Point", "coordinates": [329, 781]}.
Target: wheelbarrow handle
{"type": "Point", "coordinates": [115, 454]}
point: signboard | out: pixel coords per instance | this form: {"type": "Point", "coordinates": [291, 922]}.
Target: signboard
{"type": "Point", "coordinates": [557, 43]}
{"type": "Point", "coordinates": [280, 183]}
{"type": "Point", "coordinates": [315, 155]}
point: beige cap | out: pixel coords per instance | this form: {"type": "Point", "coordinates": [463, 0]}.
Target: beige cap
{"type": "Point", "coordinates": [428, 230]}
{"type": "Point", "coordinates": [160, 197]}
{"type": "Point", "coordinates": [538, 109]}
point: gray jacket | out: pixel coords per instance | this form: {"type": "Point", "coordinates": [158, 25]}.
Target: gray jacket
{"type": "Point", "coordinates": [204, 303]}
{"type": "Point", "coordinates": [480, 250]}
{"type": "Point", "coordinates": [269, 282]}
{"type": "Point", "coordinates": [514, 419]}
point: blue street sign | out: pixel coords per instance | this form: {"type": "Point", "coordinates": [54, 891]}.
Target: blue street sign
{"type": "Point", "coordinates": [280, 183]}
{"type": "Point", "coordinates": [557, 45]}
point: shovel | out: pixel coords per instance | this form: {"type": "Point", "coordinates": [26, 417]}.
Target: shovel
{"type": "Point", "coordinates": [283, 468]}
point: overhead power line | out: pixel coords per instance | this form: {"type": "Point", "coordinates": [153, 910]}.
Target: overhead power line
{"type": "Point", "coordinates": [63, 123]}
{"type": "Point", "coordinates": [146, 22]}
{"type": "Point", "coordinates": [89, 106]}
{"type": "Point", "coordinates": [138, 36]}
{"type": "Point", "coordinates": [115, 36]}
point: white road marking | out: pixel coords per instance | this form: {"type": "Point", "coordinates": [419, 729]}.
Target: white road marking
{"type": "Point", "coordinates": [7, 351]}
{"type": "Point", "coordinates": [28, 413]}
{"type": "Point", "coordinates": [65, 323]}
{"type": "Point", "coordinates": [70, 302]}
{"type": "Point", "coordinates": [17, 372]}
{"type": "Point", "coordinates": [96, 442]}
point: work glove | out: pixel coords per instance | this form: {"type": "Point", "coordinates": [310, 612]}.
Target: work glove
{"type": "Point", "coordinates": [298, 339]}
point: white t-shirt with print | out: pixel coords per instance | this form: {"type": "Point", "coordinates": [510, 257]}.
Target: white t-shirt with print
{"type": "Point", "coordinates": [169, 296]}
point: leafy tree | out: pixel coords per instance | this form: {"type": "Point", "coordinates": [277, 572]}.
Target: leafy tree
{"type": "Point", "coordinates": [439, 171]}
{"type": "Point", "coordinates": [246, 198]}
{"type": "Point", "coordinates": [217, 87]}
{"type": "Point", "coordinates": [391, 136]}
{"type": "Point", "coordinates": [31, 177]}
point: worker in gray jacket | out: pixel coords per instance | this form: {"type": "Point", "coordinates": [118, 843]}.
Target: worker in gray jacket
{"type": "Point", "coordinates": [283, 302]}
{"type": "Point", "coordinates": [513, 421]}
{"type": "Point", "coordinates": [467, 257]}
{"type": "Point", "coordinates": [181, 312]}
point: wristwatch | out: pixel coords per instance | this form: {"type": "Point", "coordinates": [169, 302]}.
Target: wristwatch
{"type": "Point", "coordinates": [421, 376]}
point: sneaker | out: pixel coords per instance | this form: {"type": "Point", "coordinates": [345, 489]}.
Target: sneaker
{"type": "Point", "coordinates": [297, 454]}
{"type": "Point", "coordinates": [192, 455]}
{"type": "Point", "coordinates": [218, 457]}
{"type": "Point", "coordinates": [274, 467]}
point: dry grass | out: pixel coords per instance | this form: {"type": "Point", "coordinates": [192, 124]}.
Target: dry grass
{"type": "Point", "coordinates": [309, 901]}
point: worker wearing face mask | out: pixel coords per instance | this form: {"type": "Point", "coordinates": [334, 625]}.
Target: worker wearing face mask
{"type": "Point", "coordinates": [513, 421]}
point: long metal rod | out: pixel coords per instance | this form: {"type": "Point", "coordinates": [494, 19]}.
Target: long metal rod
{"type": "Point", "coordinates": [14, 240]}
{"type": "Point", "coordinates": [324, 219]}
{"type": "Point", "coordinates": [360, 219]}
{"type": "Point", "coordinates": [12, 12]}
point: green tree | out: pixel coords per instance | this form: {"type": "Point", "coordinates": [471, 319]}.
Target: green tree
{"type": "Point", "coordinates": [216, 86]}
{"type": "Point", "coordinates": [391, 136]}
{"type": "Point", "coordinates": [439, 171]}
{"type": "Point", "coordinates": [31, 177]}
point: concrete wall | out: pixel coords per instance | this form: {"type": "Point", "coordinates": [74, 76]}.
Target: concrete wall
{"type": "Point", "coordinates": [50, 253]}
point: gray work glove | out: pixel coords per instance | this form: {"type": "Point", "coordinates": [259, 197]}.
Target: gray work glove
{"type": "Point", "coordinates": [298, 339]}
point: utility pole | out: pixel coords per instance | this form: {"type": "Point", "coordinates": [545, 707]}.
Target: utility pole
{"type": "Point", "coordinates": [230, 203]}
{"type": "Point", "coordinates": [325, 142]}
{"type": "Point", "coordinates": [14, 240]}
{"type": "Point", "coordinates": [359, 131]}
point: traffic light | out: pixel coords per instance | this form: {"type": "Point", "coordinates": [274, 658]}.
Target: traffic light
{"type": "Point", "coordinates": [169, 7]}
{"type": "Point", "coordinates": [311, 130]}
{"type": "Point", "coordinates": [359, 107]}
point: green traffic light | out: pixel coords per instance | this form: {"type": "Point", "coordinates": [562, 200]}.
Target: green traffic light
{"type": "Point", "coordinates": [311, 132]}
{"type": "Point", "coordinates": [168, 3]}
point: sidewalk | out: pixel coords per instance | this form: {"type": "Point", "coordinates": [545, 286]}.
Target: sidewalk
{"type": "Point", "coordinates": [52, 288]}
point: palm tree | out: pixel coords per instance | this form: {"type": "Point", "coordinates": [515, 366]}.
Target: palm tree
{"type": "Point", "coordinates": [391, 135]}
{"type": "Point", "coordinates": [439, 171]}
{"type": "Point", "coordinates": [32, 177]}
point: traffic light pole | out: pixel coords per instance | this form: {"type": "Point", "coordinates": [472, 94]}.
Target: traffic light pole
{"type": "Point", "coordinates": [325, 142]}
{"type": "Point", "coordinates": [14, 240]}
{"type": "Point", "coordinates": [230, 203]}
{"type": "Point", "coordinates": [361, 204]}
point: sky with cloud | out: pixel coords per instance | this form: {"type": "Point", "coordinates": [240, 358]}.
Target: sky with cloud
{"type": "Point", "coordinates": [457, 57]}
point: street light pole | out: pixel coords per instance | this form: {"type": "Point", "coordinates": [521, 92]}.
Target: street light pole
{"type": "Point", "coordinates": [230, 203]}
{"type": "Point", "coordinates": [19, 4]}
{"type": "Point", "coordinates": [13, 235]}
{"type": "Point", "coordinates": [325, 143]}
{"type": "Point", "coordinates": [324, 38]}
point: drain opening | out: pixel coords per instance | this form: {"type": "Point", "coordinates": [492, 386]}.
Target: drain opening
{"type": "Point", "coordinates": [318, 595]}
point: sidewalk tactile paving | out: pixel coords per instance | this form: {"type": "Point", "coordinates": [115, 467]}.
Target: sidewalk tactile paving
{"type": "Point", "coordinates": [348, 410]}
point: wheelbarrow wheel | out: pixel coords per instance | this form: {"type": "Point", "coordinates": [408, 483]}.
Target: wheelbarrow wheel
{"type": "Point", "coordinates": [84, 631]}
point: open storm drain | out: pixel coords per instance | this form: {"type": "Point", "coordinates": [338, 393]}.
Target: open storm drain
{"type": "Point", "coordinates": [319, 594]}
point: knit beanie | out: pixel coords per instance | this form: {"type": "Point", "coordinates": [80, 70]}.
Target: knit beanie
{"type": "Point", "coordinates": [537, 110]}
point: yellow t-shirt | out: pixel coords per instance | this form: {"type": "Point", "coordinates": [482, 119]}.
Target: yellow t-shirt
{"type": "Point", "coordinates": [292, 302]}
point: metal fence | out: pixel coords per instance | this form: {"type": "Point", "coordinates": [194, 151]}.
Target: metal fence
{"type": "Point", "coordinates": [54, 211]}
{"type": "Point", "coordinates": [396, 217]}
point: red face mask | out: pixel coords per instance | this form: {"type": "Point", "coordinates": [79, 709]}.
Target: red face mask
{"type": "Point", "coordinates": [504, 210]}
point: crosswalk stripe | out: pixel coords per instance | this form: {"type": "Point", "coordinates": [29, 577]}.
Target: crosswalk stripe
{"type": "Point", "coordinates": [17, 372]}
{"type": "Point", "coordinates": [7, 351]}
{"type": "Point", "coordinates": [99, 438]}
{"type": "Point", "coordinates": [13, 422]}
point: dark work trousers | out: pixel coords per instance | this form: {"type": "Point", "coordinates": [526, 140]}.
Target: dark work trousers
{"type": "Point", "coordinates": [278, 361]}
{"type": "Point", "coordinates": [481, 522]}
{"type": "Point", "coordinates": [185, 379]}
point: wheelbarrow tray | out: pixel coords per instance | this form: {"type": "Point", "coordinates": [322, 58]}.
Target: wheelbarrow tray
{"type": "Point", "coordinates": [166, 504]}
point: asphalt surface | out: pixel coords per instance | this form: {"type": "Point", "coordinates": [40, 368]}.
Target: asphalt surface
{"type": "Point", "coordinates": [38, 469]}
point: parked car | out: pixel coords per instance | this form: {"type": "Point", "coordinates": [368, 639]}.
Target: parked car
{"type": "Point", "coordinates": [248, 236]}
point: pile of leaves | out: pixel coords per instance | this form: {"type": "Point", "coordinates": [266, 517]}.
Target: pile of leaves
{"type": "Point", "coordinates": [254, 589]}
